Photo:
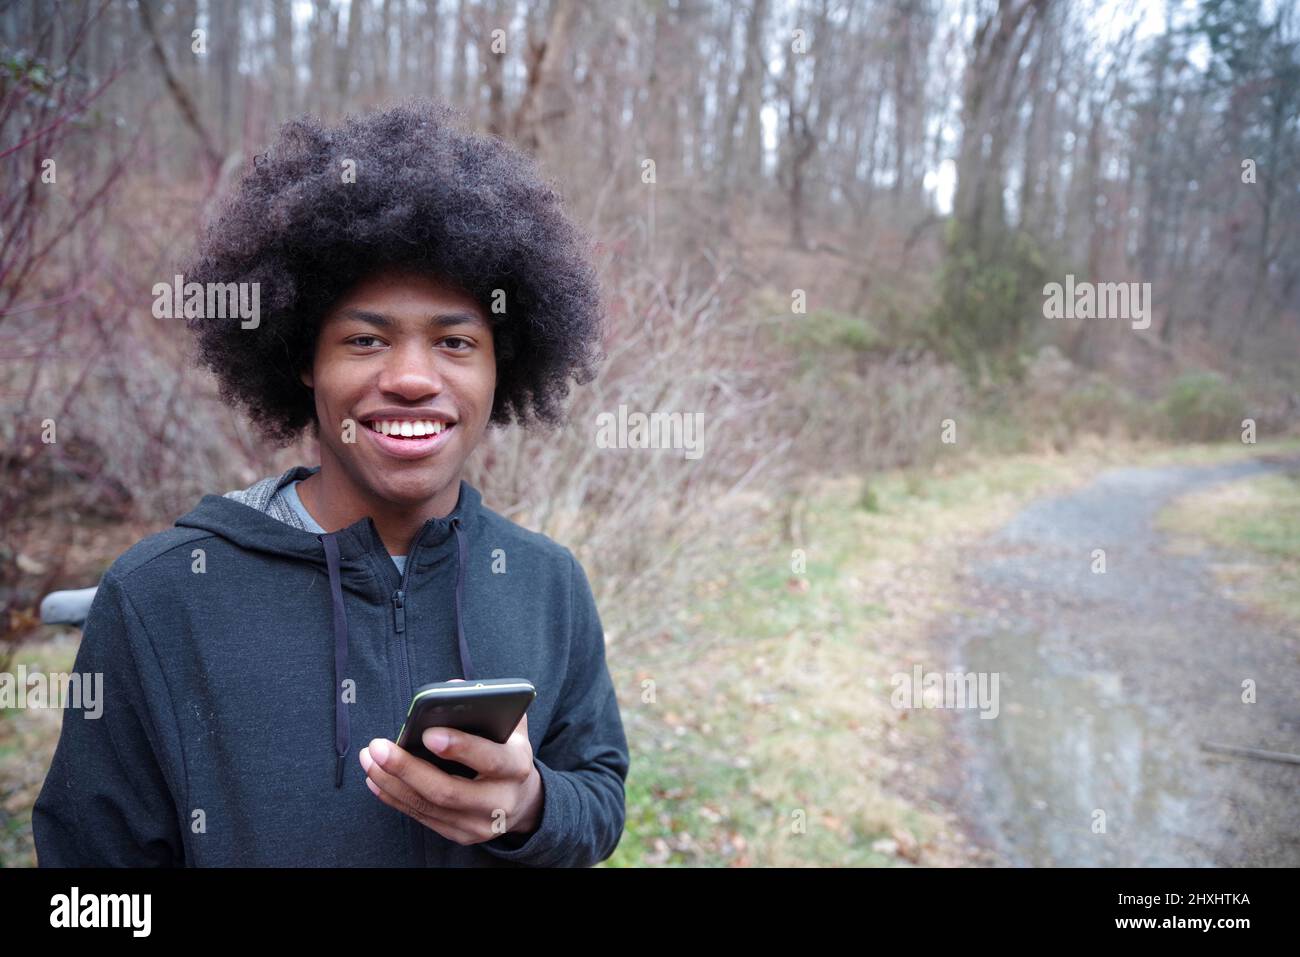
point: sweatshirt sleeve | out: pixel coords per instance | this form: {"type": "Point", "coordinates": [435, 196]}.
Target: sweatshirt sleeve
{"type": "Point", "coordinates": [106, 801]}
{"type": "Point", "coordinates": [583, 761]}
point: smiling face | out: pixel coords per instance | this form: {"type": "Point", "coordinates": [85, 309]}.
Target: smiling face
{"type": "Point", "coordinates": [410, 361]}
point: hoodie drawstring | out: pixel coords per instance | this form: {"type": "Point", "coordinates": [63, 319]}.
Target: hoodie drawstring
{"type": "Point", "coordinates": [342, 731]}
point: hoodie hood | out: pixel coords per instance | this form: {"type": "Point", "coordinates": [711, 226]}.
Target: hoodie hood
{"type": "Point", "coordinates": [248, 519]}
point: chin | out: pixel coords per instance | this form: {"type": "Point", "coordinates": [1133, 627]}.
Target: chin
{"type": "Point", "coordinates": [412, 489]}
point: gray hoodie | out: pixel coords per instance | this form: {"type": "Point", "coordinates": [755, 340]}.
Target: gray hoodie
{"type": "Point", "coordinates": [246, 660]}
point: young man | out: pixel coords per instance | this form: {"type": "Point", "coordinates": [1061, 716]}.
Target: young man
{"type": "Point", "coordinates": [417, 284]}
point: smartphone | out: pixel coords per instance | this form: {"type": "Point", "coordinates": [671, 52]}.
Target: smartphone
{"type": "Point", "coordinates": [491, 708]}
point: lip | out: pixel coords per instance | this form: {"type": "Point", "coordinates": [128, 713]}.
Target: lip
{"type": "Point", "coordinates": [412, 448]}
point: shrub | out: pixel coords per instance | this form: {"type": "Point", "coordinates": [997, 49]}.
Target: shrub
{"type": "Point", "coordinates": [1202, 407]}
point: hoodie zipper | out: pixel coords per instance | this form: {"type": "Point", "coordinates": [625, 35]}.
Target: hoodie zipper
{"type": "Point", "coordinates": [421, 856]}
{"type": "Point", "coordinates": [399, 619]}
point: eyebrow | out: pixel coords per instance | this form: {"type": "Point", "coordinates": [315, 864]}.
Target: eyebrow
{"type": "Point", "coordinates": [440, 320]}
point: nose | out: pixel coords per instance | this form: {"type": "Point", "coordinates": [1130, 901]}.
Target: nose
{"type": "Point", "coordinates": [411, 371]}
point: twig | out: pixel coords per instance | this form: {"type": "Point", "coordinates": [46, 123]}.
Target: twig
{"type": "Point", "coordinates": [1281, 756]}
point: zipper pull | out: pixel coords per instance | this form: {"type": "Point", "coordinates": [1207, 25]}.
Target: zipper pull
{"type": "Point", "coordinates": [399, 610]}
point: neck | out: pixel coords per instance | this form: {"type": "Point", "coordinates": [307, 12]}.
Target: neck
{"type": "Point", "coordinates": [336, 502]}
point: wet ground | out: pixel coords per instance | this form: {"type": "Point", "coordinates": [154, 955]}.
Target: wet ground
{"type": "Point", "coordinates": [1109, 684]}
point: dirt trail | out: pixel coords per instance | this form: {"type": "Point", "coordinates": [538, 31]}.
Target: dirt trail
{"type": "Point", "coordinates": [1108, 683]}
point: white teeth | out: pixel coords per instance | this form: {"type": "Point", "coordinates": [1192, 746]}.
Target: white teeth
{"type": "Point", "coordinates": [409, 429]}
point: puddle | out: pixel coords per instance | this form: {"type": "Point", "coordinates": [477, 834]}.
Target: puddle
{"type": "Point", "coordinates": [1068, 746]}
{"type": "Point", "coordinates": [1109, 683]}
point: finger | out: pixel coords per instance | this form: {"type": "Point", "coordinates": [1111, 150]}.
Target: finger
{"type": "Point", "coordinates": [399, 794]}
{"type": "Point", "coordinates": [521, 745]}
{"type": "Point", "coordinates": [519, 737]}
{"type": "Point", "coordinates": [486, 757]}
{"type": "Point", "coordinates": [464, 823]}
{"type": "Point", "coordinates": [444, 827]}
{"type": "Point", "coordinates": [416, 807]}
{"type": "Point", "coordinates": [415, 782]}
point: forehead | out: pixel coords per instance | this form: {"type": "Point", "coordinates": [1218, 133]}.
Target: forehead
{"type": "Point", "coordinates": [405, 295]}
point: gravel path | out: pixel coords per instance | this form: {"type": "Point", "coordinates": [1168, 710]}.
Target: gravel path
{"type": "Point", "coordinates": [1109, 683]}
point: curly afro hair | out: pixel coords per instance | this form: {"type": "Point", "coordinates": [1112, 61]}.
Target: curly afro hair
{"type": "Point", "coordinates": [461, 206]}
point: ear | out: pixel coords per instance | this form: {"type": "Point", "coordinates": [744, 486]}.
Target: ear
{"type": "Point", "coordinates": [306, 377]}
